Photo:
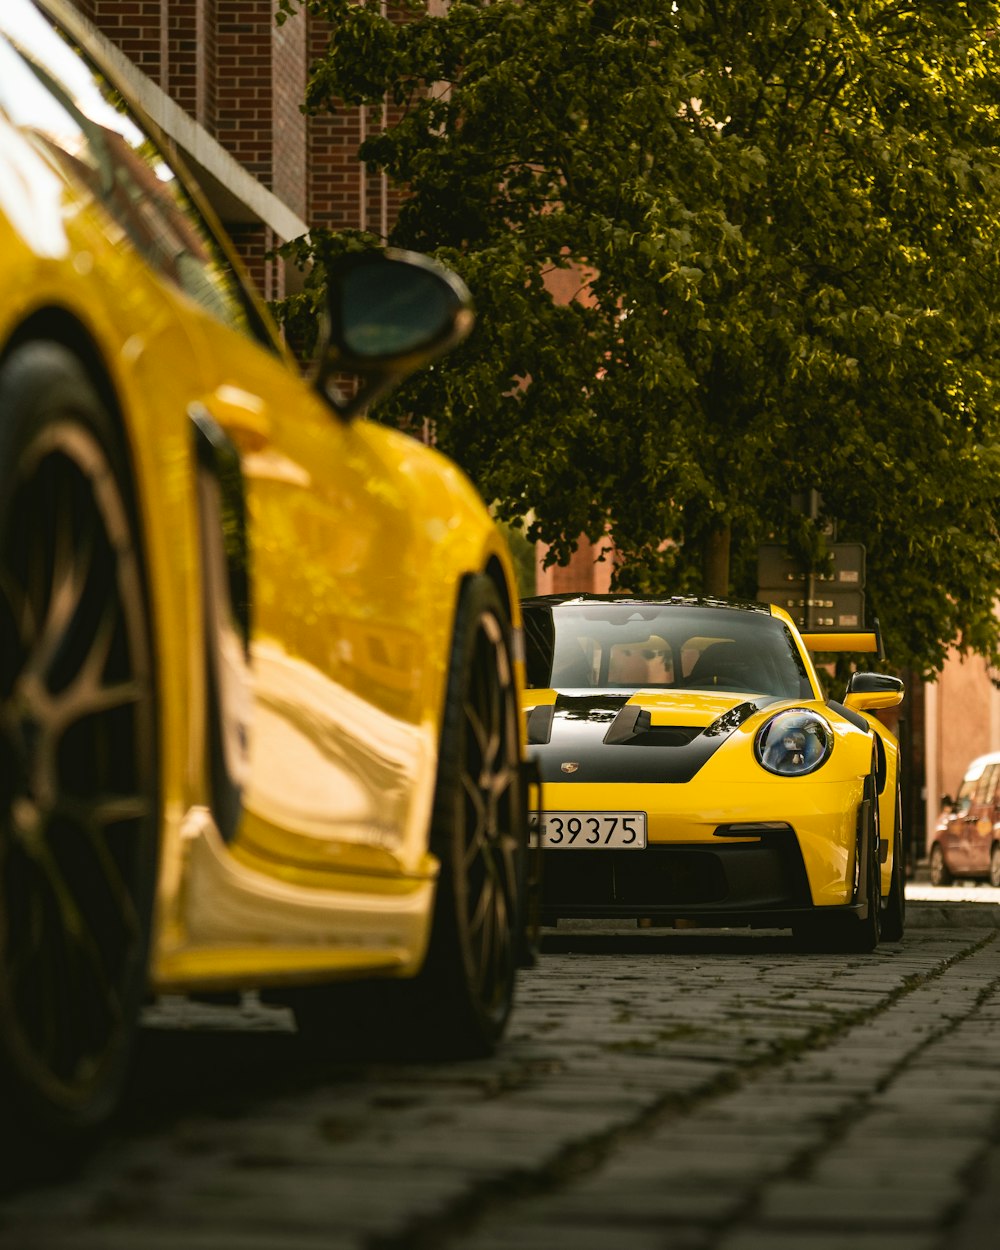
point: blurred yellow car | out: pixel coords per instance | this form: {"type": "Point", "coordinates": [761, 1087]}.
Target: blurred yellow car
{"type": "Point", "coordinates": [258, 673]}
{"type": "Point", "coordinates": [693, 772]}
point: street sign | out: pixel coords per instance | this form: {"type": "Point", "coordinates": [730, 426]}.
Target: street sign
{"type": "Point", "coordinates": [776, 567]}
{"type": "Point", "coordinates": [833, 599]}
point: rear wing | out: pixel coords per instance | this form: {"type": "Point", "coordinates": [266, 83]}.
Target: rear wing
{"type": "Point", "coordinates": [866, 640]}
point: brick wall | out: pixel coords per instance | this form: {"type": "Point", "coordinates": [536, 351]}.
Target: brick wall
{"type": "Point", "coordinates": [253, 243]}
{"type": "Point", "coordinates": [337, 181]}
{"type": "Point", "coordinates": [137, 27]}
{"type": "Point", "coordinates": [343, 193]}
{"type": "Point", "coordinates": [244, 122]}
{"type": "Point", "coordinates": [179, 70]}
{"type": "Point", "coordinates": [242, 77]}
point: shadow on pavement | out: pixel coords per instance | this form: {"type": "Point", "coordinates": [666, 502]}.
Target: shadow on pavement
{"type": "Point", "coordinates": [182, 1071]}
{"type": "Point", "coordinates": [737, 942]}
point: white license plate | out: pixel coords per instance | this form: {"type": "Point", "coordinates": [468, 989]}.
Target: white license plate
{"type": "Point", "coordinates": [580, 831]}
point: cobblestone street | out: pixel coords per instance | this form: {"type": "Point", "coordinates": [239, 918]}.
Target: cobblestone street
{"type": "Point", "coordinates": [660, 1090]}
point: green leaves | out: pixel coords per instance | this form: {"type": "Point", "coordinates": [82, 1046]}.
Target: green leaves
{"type": "Point", "coordinates": [721, 252]}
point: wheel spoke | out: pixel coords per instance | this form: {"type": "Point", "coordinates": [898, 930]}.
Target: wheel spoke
{"type": "Point", "coordinates": [93, 818]}
{"type": "Point", "coordinates": [88, 692]}
{"type": "Point", "coordinates": [502, 941]}
{"type": "Point", "coordinates": [62, 985]}
{"type": "Point", "coordinates": [76, 719]}
{"type": "Point", "coordinates": [481, 933]}
{"type": "Point", "coordinates": [74, 924]}
{"type": "Point", "coordinates": [17, 602]}
{"type": "Point", "coordinates": [62, 593]}
{"type": "Point", "coordinates": [476, 817]}
{"type": "Point", "coordinates": [480, 734]}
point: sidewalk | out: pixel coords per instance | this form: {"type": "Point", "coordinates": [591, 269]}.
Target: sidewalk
{"type": "Point", "coordinates": [961, 906]}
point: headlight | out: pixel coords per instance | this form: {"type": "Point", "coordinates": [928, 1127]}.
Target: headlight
{"type": "Point", "coordinates": [793, 743]}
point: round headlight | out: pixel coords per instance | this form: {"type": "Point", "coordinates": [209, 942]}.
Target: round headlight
{"type": "Point", "coordinates": [793, 743]}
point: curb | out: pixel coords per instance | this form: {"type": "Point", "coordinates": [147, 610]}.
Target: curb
{"type": "Point", "coordinates": [921, 914]}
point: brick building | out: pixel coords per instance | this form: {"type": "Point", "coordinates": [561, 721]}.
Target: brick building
{"type": "Point", "coordinates": [226, 82]}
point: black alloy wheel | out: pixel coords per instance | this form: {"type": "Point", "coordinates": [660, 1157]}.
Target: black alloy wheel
{"type": "Point", "coordinates": [863, 934]}
{"type": "Point", "coordinates": [78, 794]}
{"type": "Point", "coordinates": [479, 830]}
{"type": "Point", "coordinates": [850, 934]}
{"type": "Point", "coordinates": [458, 1004]}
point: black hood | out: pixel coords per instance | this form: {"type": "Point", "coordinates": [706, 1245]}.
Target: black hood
{"type": "Point", "coordinates": [610, 739]}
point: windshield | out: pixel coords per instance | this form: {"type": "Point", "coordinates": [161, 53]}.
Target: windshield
{"type": "Point", "coordinates": [662, 646]}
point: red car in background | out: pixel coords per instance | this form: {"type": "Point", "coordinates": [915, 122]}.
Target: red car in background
{"type": "Point", "coordinates": [966, 840]}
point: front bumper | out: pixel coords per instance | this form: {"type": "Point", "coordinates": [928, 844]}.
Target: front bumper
{"type": "Point", "coordinates": [817, 834]}
{"type": "Point", "coordinates": [760, 882]}
{"type": "Point", "coordinates": [743, 882]}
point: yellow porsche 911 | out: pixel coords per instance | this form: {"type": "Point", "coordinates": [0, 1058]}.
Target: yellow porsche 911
{"type": "Point", "coordinates": [258, 685]}
{"type": "Point", "coordinates": [694, 773]}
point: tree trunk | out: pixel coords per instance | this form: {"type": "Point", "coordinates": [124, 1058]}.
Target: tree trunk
{"type": "Point", "coordinates": [715, 562]}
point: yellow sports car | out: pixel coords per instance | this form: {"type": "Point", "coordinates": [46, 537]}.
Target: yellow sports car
{"type": "Point", "coordinates": [693, 772]}
{"type": "Point", "coordinates": [258, 673]}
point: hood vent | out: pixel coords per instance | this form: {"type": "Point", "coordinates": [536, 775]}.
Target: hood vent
{"type": "Point", "coordinates": [633, 727]}
{"type": "Point", "coordinates": [539, 724]}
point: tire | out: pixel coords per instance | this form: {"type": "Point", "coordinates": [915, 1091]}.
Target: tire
{"type": "Point", "coordinates": [894, 912]}
{"type": "Point", "coordinates": [458, 1004]}
{"type": "Point", "coordinates": [940, 873]}
{"type": "Point", "coordinates": [847, 934]}
{"type": "Point", "coordinates": [79, 775]}
{"type": "Point", "coordinates": [995, 865]}
{"type": "Point", "coordinates": [530, 886]}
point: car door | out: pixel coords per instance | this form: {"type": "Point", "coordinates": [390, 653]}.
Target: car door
{"type": "Point", "coordinates": [308, 639]}
{"type": "Point", "coordinates": [341, 755]}
{"type": "Point", "coordinates": [954, 836]}
{"type": "Point", "coordinates": [977, 827]}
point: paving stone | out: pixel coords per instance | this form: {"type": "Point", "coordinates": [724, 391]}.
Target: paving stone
{"type": "Point", "coordinates": [725, 1096]}
{"type": "Point", "coordinates": [811, 1238]}
{"type": "Point", "coordinates": [523, 1236]}
{"type": "Point", "coordinates": [851, 1207]}
{"type": "Point", "coordinates": [636, 1205]}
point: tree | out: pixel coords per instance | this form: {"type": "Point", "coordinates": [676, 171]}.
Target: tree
{"type": "Point", "coordinates": [783, 222]}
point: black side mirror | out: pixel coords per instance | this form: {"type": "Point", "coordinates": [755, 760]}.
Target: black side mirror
{"type": "Point", "coordinates": [868, 692]}
{"type": "Point", "coordinates": [388, 314]}
{"type": "Point", "coordinates": [873, 683]}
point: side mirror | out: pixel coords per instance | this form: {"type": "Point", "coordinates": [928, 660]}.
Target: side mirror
{"type": "Point", "coordinates": [868, 691]}
{"type": "Point", "coordinates": [388, 314]}
{"type": "Point", "coordinates": [947, 803]}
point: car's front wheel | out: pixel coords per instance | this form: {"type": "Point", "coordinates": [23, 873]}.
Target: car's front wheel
{"type": "Point", "coordinates": [850, 933]}
{"type": "Point", "coordinates": [458, 1004]}
{"type": "Point", "coordinates": [78, 782]}
{"type": "Point", "coordinates": [894, 912]}
{"type": "Point", "coordinates": [478, 834]}
{"type": "Point", "coordinates": [995, 865]}
{"type": "Point", "coordinates": [940, 874]}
